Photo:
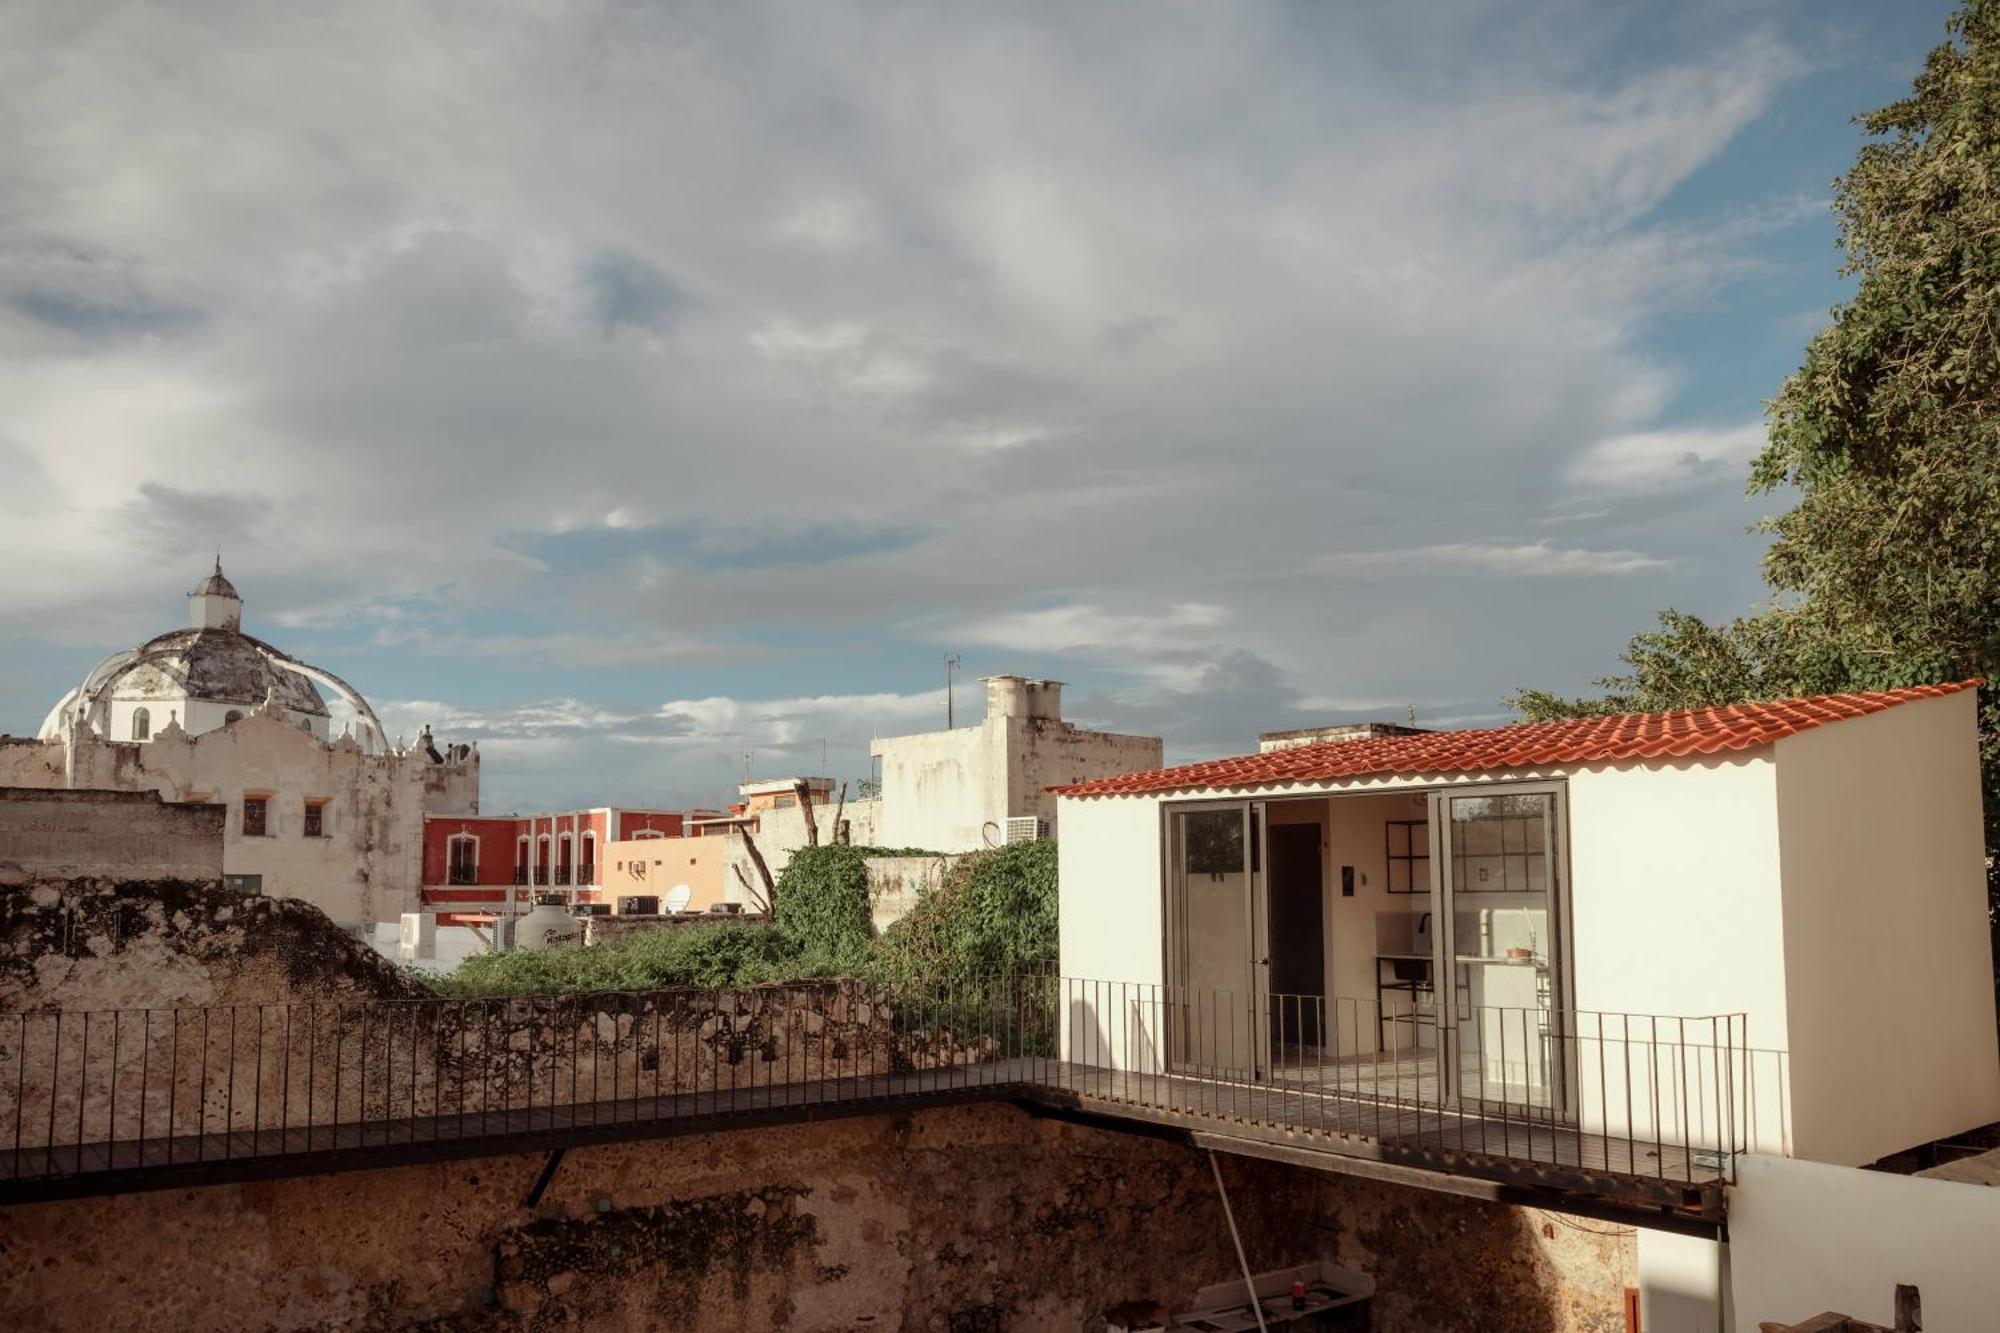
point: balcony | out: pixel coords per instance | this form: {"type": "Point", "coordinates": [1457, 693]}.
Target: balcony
{"type": "Point", "coordinates": [462, 875]}
{"type": "Point", "coordinates": [586, 873]}
{"type": "Point", "coordinates": [520, 874]}
{"type": "Point", "coordinates": [562, 874]}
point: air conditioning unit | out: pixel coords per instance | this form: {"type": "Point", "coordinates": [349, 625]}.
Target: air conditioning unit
{"type": "Point", "coordinates": [1027, 828]}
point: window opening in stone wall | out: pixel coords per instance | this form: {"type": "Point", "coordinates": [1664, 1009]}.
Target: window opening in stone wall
{"type": "Point", "coordinates": [142, 724]}
{"type": "Point", "coordinates": [254, 822]}
{"type": "Point", "coordinates": [315, 821]}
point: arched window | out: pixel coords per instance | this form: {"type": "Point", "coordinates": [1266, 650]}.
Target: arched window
{"type": "Point", "coordinates": [462, 858]}
{"type": "Point", "coordinates": [542, 859]}
{"type": "Point", "coordinates": [648, 833]}
{"type": "Point", "coordinates": [586, 870]}
{"type": "Point", "coordinates": [521, 863]}
{"type": "Point", "coordinates": [565, 857]}
{"type": "Point", "coordinates": [142, 724]}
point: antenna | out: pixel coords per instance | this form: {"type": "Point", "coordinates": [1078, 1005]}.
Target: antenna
{"type": "Point", "coordinates": [950, 670]}
{"type": "Point", "coordinates": [749, 757]}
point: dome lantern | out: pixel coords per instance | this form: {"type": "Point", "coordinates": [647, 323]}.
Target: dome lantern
{"type": "Point", "coordinates": [215, 603]}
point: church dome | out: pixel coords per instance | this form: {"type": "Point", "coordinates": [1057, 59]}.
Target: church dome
{"type": "Point", "coordinates": [206, 676]}
{"type": "Point", "coordinates": [218, 666]}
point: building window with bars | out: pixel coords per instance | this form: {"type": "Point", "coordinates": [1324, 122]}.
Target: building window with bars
{"type": "Point", "coordinates": [256, 816]}
{"type": "Point", "coordinates": [315, 821]}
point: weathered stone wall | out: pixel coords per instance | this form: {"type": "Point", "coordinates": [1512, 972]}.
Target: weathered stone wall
{"type": "Point", "coordinates": [110, 835]}
{"type": "Point", "coordinates": [964, 1219]}
{"type": "Point", "coordinates": [896, 882]}
{"type": "Point", "coordinates": [263, 1015]}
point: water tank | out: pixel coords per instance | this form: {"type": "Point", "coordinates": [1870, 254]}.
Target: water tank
{"type": "Point", "coordinates": [549, 924]}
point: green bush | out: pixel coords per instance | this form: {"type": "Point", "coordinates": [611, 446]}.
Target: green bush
{"type": "Point", "coordinates": [823, 902]}
{"type": "Point", "coordinates": [995, 913]}
{"type": "Point", "coordinates": [720, 953]}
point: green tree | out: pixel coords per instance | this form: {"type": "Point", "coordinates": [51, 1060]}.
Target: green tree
{"type": "Point", "coordinates": [1884, 572]}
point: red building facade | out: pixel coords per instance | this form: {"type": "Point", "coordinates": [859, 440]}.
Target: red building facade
{"type": "Point", "coordinates": [479, 863]}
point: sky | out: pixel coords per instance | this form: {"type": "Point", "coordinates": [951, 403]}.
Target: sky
{"type": "Point", "coordinates": [654, 393]}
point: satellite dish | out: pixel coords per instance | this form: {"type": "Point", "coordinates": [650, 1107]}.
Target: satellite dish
{"type": "Point", "coordinates": [677, 898]}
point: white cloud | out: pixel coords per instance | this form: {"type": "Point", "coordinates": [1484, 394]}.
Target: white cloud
{"type": "Point", "coordinates": [1499, 559]}
{"type": "Point", "coordinates": [1651, 461]}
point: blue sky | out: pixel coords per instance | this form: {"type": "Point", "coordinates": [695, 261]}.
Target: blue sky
{"type": "Point", "coordinates": [627, 387]}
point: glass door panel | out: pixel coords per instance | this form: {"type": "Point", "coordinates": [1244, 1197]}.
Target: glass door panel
{"type": "Point", "coordinates": [1502, 948]}
{"type": "Point", "coordinates": [1213, 937]}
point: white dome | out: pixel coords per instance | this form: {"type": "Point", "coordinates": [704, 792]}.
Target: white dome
{"type": "Point", "coordinates": [203, 677]}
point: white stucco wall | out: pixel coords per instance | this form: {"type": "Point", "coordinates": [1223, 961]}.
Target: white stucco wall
{"type": "Point", "coordinates": [1888, 966]}
{"type": "Point", "coordinates": [1113, 929]}
{"type": "Point", "coordinates": [1676, 909]}
{"type": "Point", "coordinates": [939, 788]}
{"type": "Point", "coordinates": [1806, 1237]}
{"type": "Point", "coordinates": [1682, 1282]}
{"type": "Point", "coordinates": [953, 791]}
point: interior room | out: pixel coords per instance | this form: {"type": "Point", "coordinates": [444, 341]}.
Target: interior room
{"type": "Point", "coordinates": [1356, 941]}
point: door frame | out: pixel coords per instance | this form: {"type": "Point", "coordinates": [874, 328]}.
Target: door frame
{"type": "Point", "coordinates": [1257, 923]}
{"type": "Point", "coordinates": [1444, 947]}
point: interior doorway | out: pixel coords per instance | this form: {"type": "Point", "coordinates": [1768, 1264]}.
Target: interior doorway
{"type": "Point", "coordinates": [1298, 936]}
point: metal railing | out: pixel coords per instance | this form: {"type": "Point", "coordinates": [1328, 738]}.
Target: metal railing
{"type": "Point", "coordinates": [461, 875]}
{"type": "Point", "coordinates": [1598, 1095]}
{"type": "Point", "coordinates": [1589, 1091]}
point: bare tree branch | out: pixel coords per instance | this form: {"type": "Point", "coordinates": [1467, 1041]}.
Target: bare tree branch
{"type": "Point", "coordinates": [763, 870]}
{"type": "Point", "coordinates": [748, 889]}
{"type": "Point", "coordinates": [806, 807]}
{"type": "Point", "coordinates": [840, 824]}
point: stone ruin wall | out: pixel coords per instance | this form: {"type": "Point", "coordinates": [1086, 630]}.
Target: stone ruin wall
{"type": "Point", "coordinates": [958, 1219]}
{"type": "Point", "coordinates": [128, 1014]}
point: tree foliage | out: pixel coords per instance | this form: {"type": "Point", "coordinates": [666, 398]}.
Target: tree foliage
{"type": "Point", "coordinates": [1884, 571]}
{"type": "Point", "coordinates": [994, 914]}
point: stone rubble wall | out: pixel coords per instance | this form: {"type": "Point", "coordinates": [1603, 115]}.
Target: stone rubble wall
{"type": "Point", "coordinates": [138, 1015]}
{"type": "Point", "coordinates": [959, 1220]}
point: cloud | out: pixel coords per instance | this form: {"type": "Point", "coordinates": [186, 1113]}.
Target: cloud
{"type": "Point", "coordinates": [1652, 461]}
{"type": "Point", "coordinates": [625, 352]}
{"type": "Point", "coordinates": [1516, 560]}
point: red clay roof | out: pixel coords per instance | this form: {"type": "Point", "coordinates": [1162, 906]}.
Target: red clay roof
{"type": "Point", "coordinates": [1578, 741]}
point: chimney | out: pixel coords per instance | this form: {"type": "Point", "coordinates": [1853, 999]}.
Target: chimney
{"type": "Point", "coordinates": [1007, 696]}
{"type": "Point", "coordinates": [1045, 700]}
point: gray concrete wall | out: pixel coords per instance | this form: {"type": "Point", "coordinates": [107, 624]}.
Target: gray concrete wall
{"type": "Point", "coordinates": [114, 836]}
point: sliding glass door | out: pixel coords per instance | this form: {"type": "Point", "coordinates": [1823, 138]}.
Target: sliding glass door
{"type": "Point", "coordinates": [1218, 952]}
{"type": "Point", "coordinates": [1498, 883]}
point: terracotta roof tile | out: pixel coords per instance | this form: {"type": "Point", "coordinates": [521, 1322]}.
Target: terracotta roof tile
{"type": "Point", "coordinates": [1585, 740]}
